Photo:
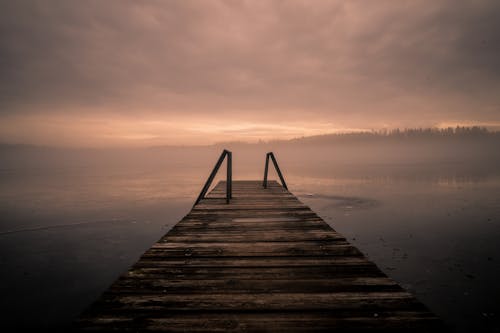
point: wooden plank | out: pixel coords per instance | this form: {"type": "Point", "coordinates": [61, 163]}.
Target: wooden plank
{"type": "Point", "coordinates": [270, 249]}
{"type": "Point", "coordinates": [262, 301]}
{"type": "Point", "coordinates": [304, 321]}
{"type": "Point", "coordinates": [264, 262]}
{"type": "Point", "coordinates": [205, 227]}
{"type": "Point", "coordinates": [254, 237]}
{"type": "Point", "coordinates": [137, 285]}
{"type": "Point", "coordinates": [259, 262]}
{"type": "Point", "coordinates": [154, 270]}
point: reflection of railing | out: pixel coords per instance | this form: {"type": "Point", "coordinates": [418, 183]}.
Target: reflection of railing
{"type": "Point", "coordinates": [229, 177]}
{"type": "Point", "coordinates": [277, 170]}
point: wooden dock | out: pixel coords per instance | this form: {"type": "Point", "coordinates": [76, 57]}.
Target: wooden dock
{"type": "Point", "coordinates": [263, 262]}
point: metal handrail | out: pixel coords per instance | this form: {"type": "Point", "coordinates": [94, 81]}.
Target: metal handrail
{"type": "Point", "coordinates": [270, 154]}
{"type": "Point", "coordinates": [229, 177]}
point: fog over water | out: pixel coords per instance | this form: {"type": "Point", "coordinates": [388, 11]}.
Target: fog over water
{"type": "Point", "coordinates": [426, 211]}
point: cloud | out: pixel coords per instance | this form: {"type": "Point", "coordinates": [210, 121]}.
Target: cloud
{"type": "Point", "coordinates": [357, 64]}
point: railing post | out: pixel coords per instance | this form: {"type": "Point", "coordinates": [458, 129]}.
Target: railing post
{"type": "Point", "coordinates": [210, 179]}
{"type": "Point", "coordinates": [229, 177]}
{"type": "Point", "coordinates": [279, 171]}
{"type": "Point", "coordinates": [266, 168]}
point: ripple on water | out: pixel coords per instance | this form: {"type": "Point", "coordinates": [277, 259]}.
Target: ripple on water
{"type": "Point", "coordinates": [344, 202]}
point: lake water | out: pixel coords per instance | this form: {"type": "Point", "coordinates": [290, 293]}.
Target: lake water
{"type": "Point", "coordinates": [67, 232]}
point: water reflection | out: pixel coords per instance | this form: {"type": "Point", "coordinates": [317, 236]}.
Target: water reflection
{"type": "Point", "coordinates": [341, 202]}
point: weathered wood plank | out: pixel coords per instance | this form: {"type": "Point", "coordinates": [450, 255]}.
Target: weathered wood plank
{"type": "Point", "coordinates": [248, 249]}
{"type": "Point", "coordinates": [267, 261]}
{"type": "Point", "coordinates": [153, 270]}
{"type": "Point", "coordinates": [138, 285]}
{"type": "Point", "coordinates": [254, 237]}
{"type": "Point", "coordinates": [205, 227]}
{"type": "Point", "coordinates": [304, 321]}
{"type": "Point", "coordinates": [262, 301]}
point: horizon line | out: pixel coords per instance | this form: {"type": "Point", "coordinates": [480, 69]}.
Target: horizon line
{"type": "Point", "coordinates": [408, 131]}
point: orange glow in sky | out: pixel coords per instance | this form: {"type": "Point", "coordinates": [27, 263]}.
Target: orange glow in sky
{"type": "Point", "coordinates": [115, 73]}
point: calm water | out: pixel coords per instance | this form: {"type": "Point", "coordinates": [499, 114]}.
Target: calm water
{"type": "Point", "coordinates": [66, 233]}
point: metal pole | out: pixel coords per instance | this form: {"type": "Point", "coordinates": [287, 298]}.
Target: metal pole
{"type": "Point", "coordinates": [265, 171]}
{"type": "Point", "coordinates": [279, 171]}
{"type": "Point", "coordinates": [229, 177]}
{"type": "Point", "coordinates": [211, 177]}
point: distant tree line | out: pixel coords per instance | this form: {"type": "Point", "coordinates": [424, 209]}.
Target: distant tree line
{"type": "Point", "coordinates": [459, 133]}
{"type": "Point", "coordinates": [448, 131]}
{"type": "Point", "coordinates": [407, 134]}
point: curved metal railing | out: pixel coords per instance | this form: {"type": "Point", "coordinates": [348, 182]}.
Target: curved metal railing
{"type": "Point", "coordinates": [229, 177]}
{"type": "Point", "coordinates": [271, 155]}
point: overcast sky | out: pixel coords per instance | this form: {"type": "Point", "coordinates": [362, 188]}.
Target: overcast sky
{"type": "Point", "coordinates": [98, 73]}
